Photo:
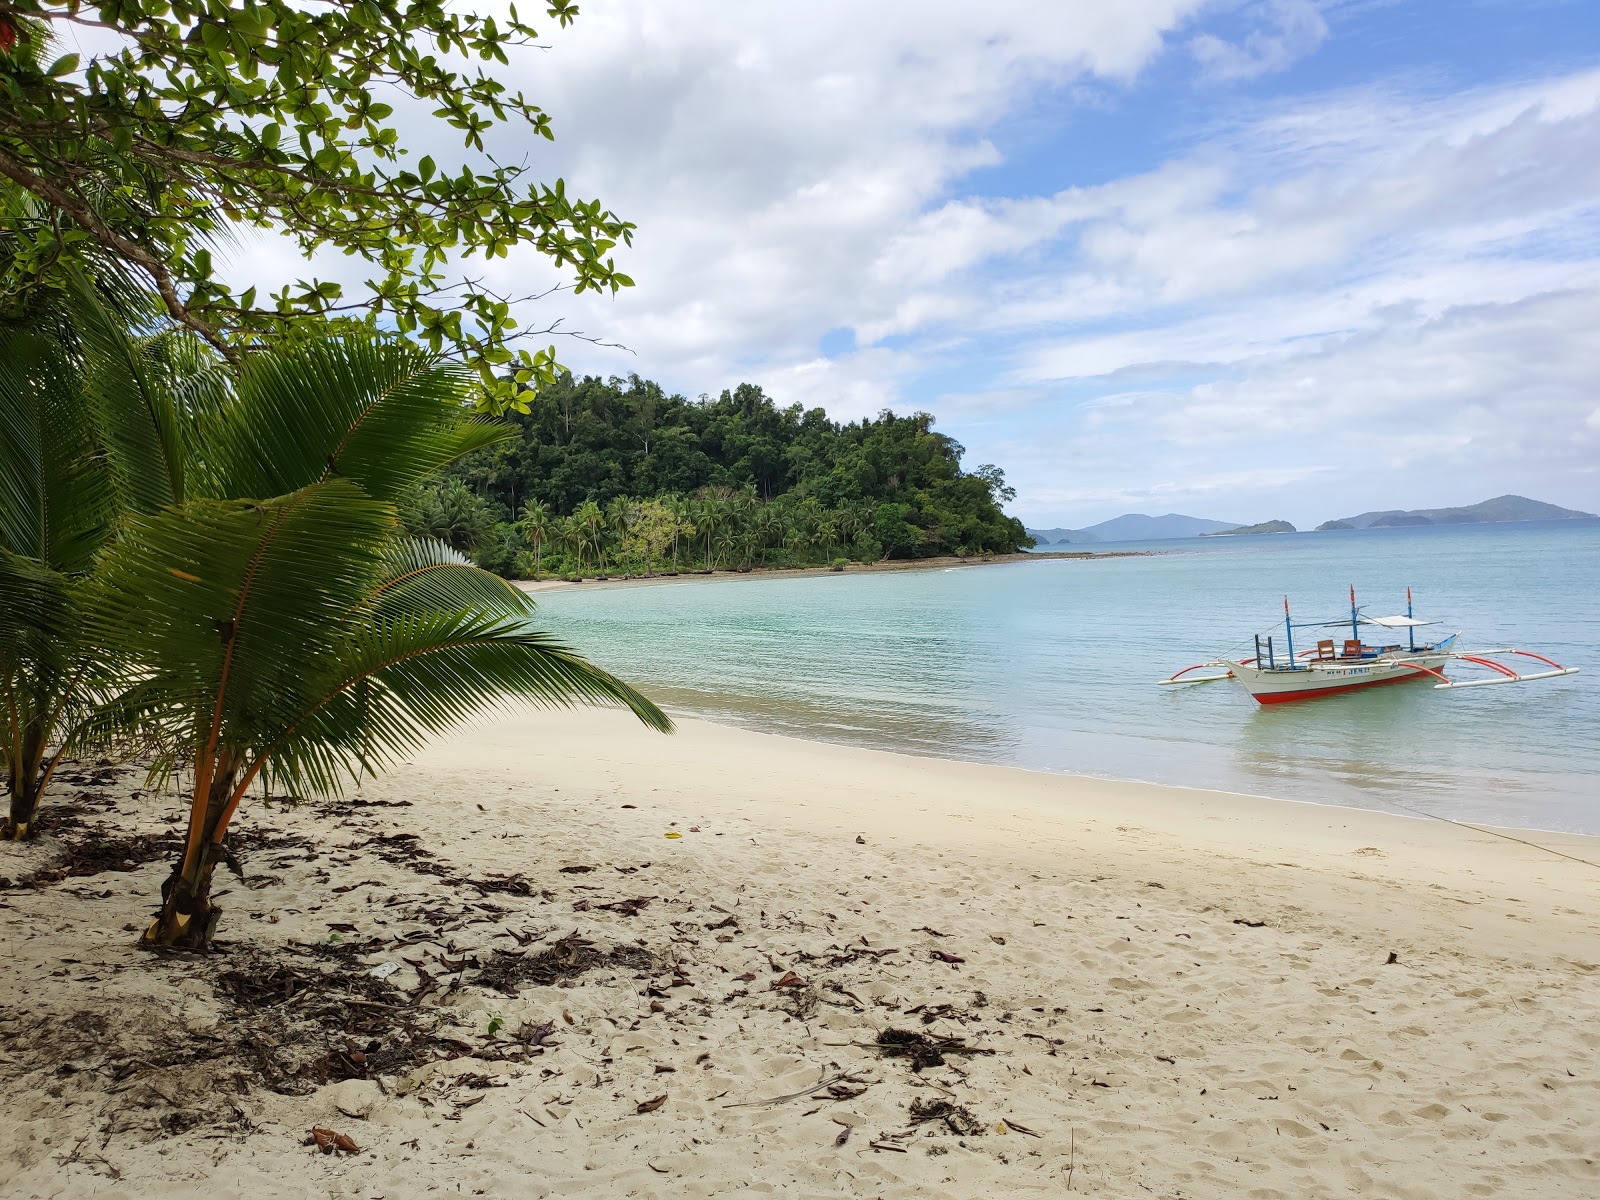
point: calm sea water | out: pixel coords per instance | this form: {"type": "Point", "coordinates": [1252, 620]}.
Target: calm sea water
{"type": "Point", "coordinates": [1052, 665]}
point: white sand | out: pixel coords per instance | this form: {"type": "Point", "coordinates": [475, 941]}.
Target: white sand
{"type": "Point", "coordinates": [1158, 1046]}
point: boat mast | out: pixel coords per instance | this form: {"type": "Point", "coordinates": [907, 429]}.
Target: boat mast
{"type": "Point", "coordinates": [1355, 620]}
{"type": "Point", "coordinates": [1411, 632]}
{"type": "Point", "coordinates": [1288, 629]}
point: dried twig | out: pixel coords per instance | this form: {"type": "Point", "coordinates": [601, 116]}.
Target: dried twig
{"type": "Point", "coordinates": [803, 1092]}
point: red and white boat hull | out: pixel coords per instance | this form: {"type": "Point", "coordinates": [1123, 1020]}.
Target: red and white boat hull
{"type": "Point", "coordinates": [1311, 680]}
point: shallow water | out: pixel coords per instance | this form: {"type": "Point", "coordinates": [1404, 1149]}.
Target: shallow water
{"type": "Point", "coordinates": [1052, 665]}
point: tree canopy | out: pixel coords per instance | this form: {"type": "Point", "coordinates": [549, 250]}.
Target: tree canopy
{"type": "Point", "coordinates": [894, 482]}
{"type": "Point", "coordinates": [211, 115]}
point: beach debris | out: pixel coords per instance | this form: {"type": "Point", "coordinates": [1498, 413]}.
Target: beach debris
{"type": "Point", "coordinates": [328, 1140]}
{"type": "Point", "coordinates": [627, 908]}
{"type": "Point", "coordinates": [997, 939]}
{"type": "Point", "coordinates": [957, 1118]}
{"type": "Point", "coordinates": [383, 970]}
{"type": "Point", "coordinates": [1012, 1125]}
{"type": "Point", "coordinates": [673, 834]}
{"type": "Point", "coordinates": [694, 829]}
{"type": "Point", "coordinates": [848, 1088]}
{"type": "Point", "coordinates": [860, 841]}
{"type": "Point", "coordinates": [923, 1050]}
{"type": "Point", "coordinates": [1248, 924]}
{"type": "Point", "coordinates": [790, 980]}
{"type": "Point", "coordinates": [575, 870]}
{"type": "Point", "coordinates": [946, 956]}
{"type": "Point", "coordinates": [844, 1136]}
{"type": "Point", "coordinates": [630, 806]}
{"type": "Point", "coordinates": [650, 1106]}
{"type": "Point", "coordinates": [824, 1081]}
{"type": "Point", "coordinates": [566, 959]}
{"type": "Point", "coordinates": [1392, 959]}
{"type": "Point", "coordinates": [929, 932]}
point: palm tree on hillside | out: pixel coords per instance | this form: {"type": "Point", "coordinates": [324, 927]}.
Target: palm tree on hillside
{"type": "Point", "coordinates": [537, 525]}
{"type": "Point", "coordinates": [591, 524]}
{"type": "Point", "coordinates": [570, 533]}
{"type": "Point", "coordinates": [682, 513]}
{"type": "Point", "coordinates": [619, 516]}
{"type": "Point", "coordinates": [710, 516]}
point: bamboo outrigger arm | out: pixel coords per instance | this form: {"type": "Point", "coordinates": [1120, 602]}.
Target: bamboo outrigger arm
{"type": "Point", "coordinates": [1503, 673]}
{"type": "Point", "coordinates": [1178, 678]}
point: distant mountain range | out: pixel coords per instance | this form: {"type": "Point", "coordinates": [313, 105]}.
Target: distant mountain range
{"type": "Point", "coordinates": [1134, 527]}
{"type": "Point", "coordinates": [1490, 512]}
{"type": "Point", "coordinates": [1137, 527]}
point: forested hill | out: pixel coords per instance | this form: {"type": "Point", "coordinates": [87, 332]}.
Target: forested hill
{"type": "Point", "coordinates": [771, 483]}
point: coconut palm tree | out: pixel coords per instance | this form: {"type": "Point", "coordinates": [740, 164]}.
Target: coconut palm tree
{"type": "Point", "coordinates": [537, 526]}
{"type": "Point", "coordinates": [828, 533]}
{"type": "Point", "coordinates": [93, 421]}
{"type": "Point", "coordinates": [620, 513]}
{"type": "Point", "coordinates": [287, 621]}
{"type": "Point", "coordinates": [710, 516]}
{"type": "Point", "coordinates": [591, 524]}
{"type": "Point", "coordinates": [682, 512]}
{"type": "Point", "coordinates": [570, 533]}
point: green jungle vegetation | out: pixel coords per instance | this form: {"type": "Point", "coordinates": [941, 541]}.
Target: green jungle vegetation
{"type": "Point", "coordinates": [617, 477]}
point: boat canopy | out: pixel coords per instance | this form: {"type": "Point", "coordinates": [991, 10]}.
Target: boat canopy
{"type": "Point", "coordinates": [1396, 622]}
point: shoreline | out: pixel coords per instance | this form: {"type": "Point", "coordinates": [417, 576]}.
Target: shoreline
{"type": "Point", "coordinates": [723, 574]}
{"type": "Point", "coordinates": [1411, 815]}
{"type": "Point", "coordinates": [1138, 988]}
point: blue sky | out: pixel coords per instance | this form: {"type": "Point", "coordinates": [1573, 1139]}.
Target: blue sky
{"type": "Point", "coordinates": [1237, 258]}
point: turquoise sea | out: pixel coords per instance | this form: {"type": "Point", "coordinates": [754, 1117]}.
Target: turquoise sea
{"type": "Point", "coordinates": [1052, 664]}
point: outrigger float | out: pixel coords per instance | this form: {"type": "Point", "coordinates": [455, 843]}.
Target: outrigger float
{"type": "Point", "coordinates": [1276, 676]}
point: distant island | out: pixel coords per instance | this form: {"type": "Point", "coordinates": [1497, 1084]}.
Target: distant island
{"type": "Point", "coordinates": [1133, 527]}
{"type": "Point", "coordinates": [1264, 527]}
{"type": "Point", "coordinates": [1500, 509]}
{"type": "Point", "coordinates": [1137, 527]}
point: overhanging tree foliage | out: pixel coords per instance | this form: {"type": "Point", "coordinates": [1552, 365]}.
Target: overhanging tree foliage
{"type": "Point", "coordinates": [215, 114]}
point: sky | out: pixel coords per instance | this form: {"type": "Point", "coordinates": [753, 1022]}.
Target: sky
{"type": "Point", "coordinates": [1241, 259]}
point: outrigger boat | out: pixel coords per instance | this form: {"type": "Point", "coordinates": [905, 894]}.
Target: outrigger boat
{"type": "Point", "coordinates": [1276, 676]}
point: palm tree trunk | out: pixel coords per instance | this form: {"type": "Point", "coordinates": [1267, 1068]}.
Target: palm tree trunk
{"type": "Point", "coordinates": [188, 918]}
{"type": "Point", "coordinates": [26, 782]}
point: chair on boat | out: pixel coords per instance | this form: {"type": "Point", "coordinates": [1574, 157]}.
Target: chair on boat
{"type": "Point", "coordinates": [1325, 650]}
{"type": "Point", "coordinates": [1352, 648]}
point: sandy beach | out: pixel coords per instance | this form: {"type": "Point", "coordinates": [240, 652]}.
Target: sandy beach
{"type": "Point", "coordinates": [559, 955]}
{"type": "Point", "coordinates": [942, 563]}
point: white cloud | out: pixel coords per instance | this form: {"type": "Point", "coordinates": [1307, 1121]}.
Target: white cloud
{"type": "Point", "coordinates": [788, 165]}
{"type": "Point", "coordinates": [1321, 278]}
{"type": "Point", "coordinates": [1295, 29]}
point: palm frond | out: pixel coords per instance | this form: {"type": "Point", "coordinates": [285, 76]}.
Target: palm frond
{"type": "Point", "coordinates": [425, 573]}
{"type": "Point", "coordinates": [38, 619]}
{"type": "Point", "coordinates": [225, 608]}
{"type": "Point", "coordinates": [401, 681]}
{"type": "Point", "coordinates": [378, 412]}
{"type": "Point", "coordinates": [55, 494]}
{"type": "Point", "coordinates": [132, 403]}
